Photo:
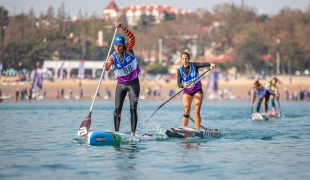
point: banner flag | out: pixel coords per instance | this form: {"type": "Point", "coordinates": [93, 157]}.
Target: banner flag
{"type": "Point", "coordinates": [61, 71]}
{"type": "Point", "coordinates": [37, 81]}
{"type": "Point", "coordinates": [216, 78]}
{"type": "Point", "coordinates": [81, 73]}
{"type": "Point", "coordinates": [210, 82]}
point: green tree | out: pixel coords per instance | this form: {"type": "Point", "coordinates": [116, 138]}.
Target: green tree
{"type": "Point", "coordinates": [251, 49]}
{"type": "Point", "coordinates": [4, 20]}
{"type": "Point", "coordinates": [155, 68]}
{"type": "Point", "coordinates": [168, 16]}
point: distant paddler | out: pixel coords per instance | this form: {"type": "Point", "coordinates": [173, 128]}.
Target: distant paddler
{"type": "Point", "coordinates": [271, 86]}
{"type": "Point", "coordinates": [262, 94]}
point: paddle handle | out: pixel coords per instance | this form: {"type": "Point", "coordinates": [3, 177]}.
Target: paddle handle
{"type": "Point", "coordinates": [103, 70]}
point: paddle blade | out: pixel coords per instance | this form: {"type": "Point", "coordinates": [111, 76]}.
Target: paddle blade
{"type": "Point", "coordinates": [85, 125]}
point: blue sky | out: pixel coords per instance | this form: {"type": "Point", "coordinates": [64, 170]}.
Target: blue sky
{"type": "Point", "coordinates": [96, 6]}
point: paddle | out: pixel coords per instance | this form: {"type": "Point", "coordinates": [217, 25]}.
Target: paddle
{"type": "Point", "coordinates": [200, 125]}
{"type": "Point", "coordinates": [85, 125]}
{"type": "Point", "coordinates": [279, 107]}
{"type": "Point", "coordinates": [251, 112]}
{"type": "Point", "coordinates": [177, 94]}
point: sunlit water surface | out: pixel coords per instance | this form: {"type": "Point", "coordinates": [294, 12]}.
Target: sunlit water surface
{"type": "Point", "coordinates": [39, 141]}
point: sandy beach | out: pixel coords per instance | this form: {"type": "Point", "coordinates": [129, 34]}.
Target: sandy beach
{"type": "Point", "coordinates": [239, 87]}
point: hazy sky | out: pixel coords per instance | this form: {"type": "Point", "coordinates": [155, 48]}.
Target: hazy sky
{"type": "Point", "coordinates": [96, 6]}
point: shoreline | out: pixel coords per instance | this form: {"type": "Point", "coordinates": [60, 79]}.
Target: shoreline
{"type": "Point", "coordinates": [239, 88]}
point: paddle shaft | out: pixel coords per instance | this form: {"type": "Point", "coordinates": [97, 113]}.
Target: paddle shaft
{"type": "Point", "coordinates": [279, 106]}
{"type": "Point", "coordinates": [200, 125]}
{"type": "Point", "coordinates": [85, 125]}
{"type": "Point", "coordinates": [251, 111]}
{"type": "Point", "coordinates": [103, 70]}
{"type": "Point", "coordinates": [177, 94]}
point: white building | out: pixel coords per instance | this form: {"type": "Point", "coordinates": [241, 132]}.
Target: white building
{"type": "Point", "coordinates": [134, 12]}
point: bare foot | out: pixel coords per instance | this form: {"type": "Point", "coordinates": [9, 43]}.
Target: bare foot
{"type": "Point", "coordinates": [133, 134]}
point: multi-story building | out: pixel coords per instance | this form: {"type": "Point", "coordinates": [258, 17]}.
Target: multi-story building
{"type": "Point", "coordinates": [133, 13]}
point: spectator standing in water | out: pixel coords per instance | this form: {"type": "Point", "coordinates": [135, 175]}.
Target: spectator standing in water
{"type": "Point", "coordinates": [81, 93]}
{"type": "Point", "coordinates": [71, 92]}
{"type": "Point", "coordinates": [62, 91]}
{"type": "Point", "coordinates": [16, 94]}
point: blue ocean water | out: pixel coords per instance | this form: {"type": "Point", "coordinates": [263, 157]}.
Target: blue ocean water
{"type": "Point", "coordinates": [39, 141]}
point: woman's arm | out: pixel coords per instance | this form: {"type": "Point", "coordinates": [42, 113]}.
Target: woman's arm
{"type": "Point", "coordinates": [201, 64]}
{"type": "Point", "coordinates": [180, 85]}
{"type": "Point", "coordinates": [198, 65]}
{"type": "Point", "coordinates": [108, 64]}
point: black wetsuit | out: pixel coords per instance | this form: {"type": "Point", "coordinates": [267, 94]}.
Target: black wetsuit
{"type": "Point", "coordinates": [133, 90]}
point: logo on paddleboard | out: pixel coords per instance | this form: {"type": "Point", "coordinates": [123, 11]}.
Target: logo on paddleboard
{"type": "Point", "coordinates": [100, 139]}
{"type": "Point", "coordinates": [113, 136]}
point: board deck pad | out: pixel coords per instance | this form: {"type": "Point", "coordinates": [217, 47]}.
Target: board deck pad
{"type": "Point", "coordinates": [185, 132]}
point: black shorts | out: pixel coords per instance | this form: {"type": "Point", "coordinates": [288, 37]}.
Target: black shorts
{"type": "Point", "coordinates": [198, 91]}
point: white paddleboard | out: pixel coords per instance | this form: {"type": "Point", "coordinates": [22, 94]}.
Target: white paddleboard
{"type": "Point", "coordinates": [265, 116]}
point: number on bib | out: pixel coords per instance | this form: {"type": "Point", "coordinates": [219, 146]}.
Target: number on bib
{"type": "Point", "coordinates": [127, 70]}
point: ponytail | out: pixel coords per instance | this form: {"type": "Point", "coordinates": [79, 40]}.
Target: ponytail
{"type": "Point", "coordinates": [187, 52]}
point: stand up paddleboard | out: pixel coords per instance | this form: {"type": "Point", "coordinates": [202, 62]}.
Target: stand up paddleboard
{"type": "Point", "coordinates": [107, 137]}
{"type": "Point", "coordinates": [185, 132]}
{"type": "Point", "coordinates": [265, 116]}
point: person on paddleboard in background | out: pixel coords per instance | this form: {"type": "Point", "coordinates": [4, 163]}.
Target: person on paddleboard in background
{"type": "Point", "coordinates": [261, 93]}
{"type": "Point", "coordinates": [125, 66]}
{"type": "Point", "coordinates": [187, 73]}
{"type": "Point", "coordinates": [272, 87]}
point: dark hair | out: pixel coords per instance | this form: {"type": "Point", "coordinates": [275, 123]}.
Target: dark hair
{"type": "Point", "coordinates": [187, 52]}
{"type": "Point", "coordinates": [276, 79]}
{"type": "Point", "coordinates": [257, 83]}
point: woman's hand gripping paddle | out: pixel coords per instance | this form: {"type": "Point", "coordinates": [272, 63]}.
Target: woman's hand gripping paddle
{"type": "Point", "coordinates": [85, 125]}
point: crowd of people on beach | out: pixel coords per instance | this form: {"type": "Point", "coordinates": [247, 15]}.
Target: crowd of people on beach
{"type": "Point", "coordinates": [148, 93]}
{"type": "Point", "coordinates": [301, 95]}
